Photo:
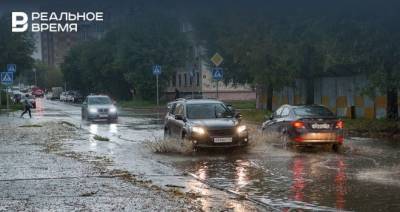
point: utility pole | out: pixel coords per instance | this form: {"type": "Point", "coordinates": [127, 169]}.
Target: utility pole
{"type": "Point", "coordinates": [34, 71]}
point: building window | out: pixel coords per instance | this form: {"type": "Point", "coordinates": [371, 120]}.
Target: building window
{"type": "Point", "coordinates": [191, 80]}
{"type": "Point", "coordinates": [197, 78]}
{"type": "Point", "coordinates": [179, 80]}
{"type": "Point", "coordinates": [185, 77]}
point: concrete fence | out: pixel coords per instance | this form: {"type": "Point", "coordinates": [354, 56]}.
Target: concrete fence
{"type": "Point", "coordinates": [340, 94]}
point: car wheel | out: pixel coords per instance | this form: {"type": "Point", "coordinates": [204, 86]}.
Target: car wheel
{"type": "Point", "coordinates": [167, 133]}
{"type": "Point", "coordinates": [187, 143]}
{"type": "Point", "coordinates": [112, 121]}
{"type": "Point", "coordinates": [285, 141]}
{"type": "Point", "coordinates": [337, 148]}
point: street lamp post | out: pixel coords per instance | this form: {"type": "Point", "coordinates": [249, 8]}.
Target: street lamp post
{"type": "Point", "coordinates": [34, 71]}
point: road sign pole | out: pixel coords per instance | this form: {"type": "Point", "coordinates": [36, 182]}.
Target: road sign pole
{"type": "Point", "coordinates": [217, 89]}
{"type": "Point", "coordinates": [7, 100]}
{"type": "Point", "coordinates": [157, 91]}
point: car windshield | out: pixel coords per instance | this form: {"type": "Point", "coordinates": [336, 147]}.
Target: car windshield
{"type": "Point", "coordinates": [208, 111]}
{"type": "Point", "coordinates": [312, 111]}
{"type": "Point", "coordinates": [99, 101]}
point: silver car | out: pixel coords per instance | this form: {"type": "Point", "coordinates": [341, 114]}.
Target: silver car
{"type": "Point", "coordinates": [99, 107]}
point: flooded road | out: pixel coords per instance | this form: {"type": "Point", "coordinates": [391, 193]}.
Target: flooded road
{"type": "Point", "coordinates": [365, 177]}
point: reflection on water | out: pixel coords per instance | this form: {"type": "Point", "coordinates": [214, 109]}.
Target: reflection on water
{"type": "Point", "coordinates": [298, 180]}
{"type": "Point", "coordinates": [242, 178]}
{"type": "Point", "coordinates": [39, 107]}
{"type": "Point", "coordinates": [204, 171]}
{"type": "Point", "coordinates": [308, 182]}
{"type": "Point", "coordinates": [93, 128]}
{"type": "Point", "coordinates": [113, 128]}
{"type": "Point", "coordinates": [340, 182]}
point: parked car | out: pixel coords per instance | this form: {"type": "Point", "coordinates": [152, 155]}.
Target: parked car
{"type": "Point", "coordinates": [306, 125]}
{"type": "Point", "coordinates": [37, 92]}
{"type": "Point", "coordinates": [99, 107]}
{"type": "Point", "coordinates": [74, 96]}
{"type": "Point", "coordinates": [205, 123]}
{"type": "Point", "coordinates": [64, 96]}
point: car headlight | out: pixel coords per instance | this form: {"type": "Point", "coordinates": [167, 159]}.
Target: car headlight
{"type": "Point", "coordinates": [92, 110]}
{"type": "Point", "coordinates": [241, 128]}
{"type": "Point", "coordinates": [113, 110]}
{"type": "Point", "coordinates": [198, 130]}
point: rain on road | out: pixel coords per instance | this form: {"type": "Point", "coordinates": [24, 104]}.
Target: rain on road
{"type": "Point", "coordinates": [367, 172]}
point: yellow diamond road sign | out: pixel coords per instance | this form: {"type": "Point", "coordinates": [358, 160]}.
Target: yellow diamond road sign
{"type": "Point", "coordinates": [217, 59]}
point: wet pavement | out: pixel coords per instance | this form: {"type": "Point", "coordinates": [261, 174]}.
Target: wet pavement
{"type": "Point", "coordinates": [265, 176]}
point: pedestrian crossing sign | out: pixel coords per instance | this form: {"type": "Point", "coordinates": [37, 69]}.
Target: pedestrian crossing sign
{"type": "Point", "coordinates": [217, 73]}
{"type": "Point", "coordinates": [7, 78]}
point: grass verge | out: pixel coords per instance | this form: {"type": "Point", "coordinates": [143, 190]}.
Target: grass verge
{"type": "Point", "coordinates": [138, 103]}
{"type": "Point", "coordinates": [31, 125]}
{"type": "Point", "coordinates": [100, 138]}
{"type": "Point", "coordinates": [372, 127]}
{"type": "Point", "coordinates": [248, 104]}
{"type": "Point", "coordinates": [254, 116]}
{"type": "Point", "coordinates": [12, 107]}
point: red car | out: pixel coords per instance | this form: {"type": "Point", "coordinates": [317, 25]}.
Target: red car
{"type": "Point", "coordinates": [37, 92]}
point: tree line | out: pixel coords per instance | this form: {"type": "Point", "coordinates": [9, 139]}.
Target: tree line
{"type": "Point", "coordinates": [273, 44]}
{"type": "Point", "coordinates": [267, 43]}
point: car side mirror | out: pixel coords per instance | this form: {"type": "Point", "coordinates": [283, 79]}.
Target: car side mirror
{"type": "Point", "coordinates": [238, 116]}
{"type": "Point", "coordinates": [231, 108]}
{"type": "Point", "coordinates": [180, 117]}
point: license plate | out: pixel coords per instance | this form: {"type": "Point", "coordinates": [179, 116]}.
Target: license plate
{"type": "Point", "coordinates": [103, 116]}
{"type": "Point", "coordinates": [222, 140]}
{"type": "Point", "coordinates": [321, 126]}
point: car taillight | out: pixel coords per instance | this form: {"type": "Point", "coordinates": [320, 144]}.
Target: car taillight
{"type": "Point", "coordinates": [298, 124]}
{"type": "Point", "coordinates": [340, 139]}
{"type": "Point", "coordinates": [298, 139]}
{"type": "Point", "coordinates": [339, 124]}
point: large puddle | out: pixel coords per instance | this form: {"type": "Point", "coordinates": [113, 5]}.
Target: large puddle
{"type": "Point", "coordinates": [366, 177]}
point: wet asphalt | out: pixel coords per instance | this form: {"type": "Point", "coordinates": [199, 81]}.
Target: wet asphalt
{"type": "Point", "coordinates": [264, 176]}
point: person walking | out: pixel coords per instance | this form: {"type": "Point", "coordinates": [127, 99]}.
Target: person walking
{"type": "Point", "coordinates": [27, 106]}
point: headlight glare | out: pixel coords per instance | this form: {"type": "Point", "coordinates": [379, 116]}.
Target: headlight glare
{"type": "Point", "coordinates": [92, 110]}
{"type": "Point", "coordinates": [198, 130]}
{"type": "Point", "coordinates": [241, 128]}
{"type": "Point", "coordinates": [113, 109]}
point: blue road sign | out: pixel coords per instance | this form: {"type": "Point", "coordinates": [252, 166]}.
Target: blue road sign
{"type": "Point", "coordinates": [11, 68]}
{"type": "Point", "coordinates": [217, 73]}
{"type": "Point", "coordinates": [156, 70]}
{"type": "Point", "coordinates": [6, 78]}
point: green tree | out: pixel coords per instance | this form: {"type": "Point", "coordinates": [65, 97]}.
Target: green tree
{"type": "Point", "coordinates": [48, 77]}
{"type": "Point", "coordinates": [123, 59]}
{"type": "Point", "coordinates": [15, 48]}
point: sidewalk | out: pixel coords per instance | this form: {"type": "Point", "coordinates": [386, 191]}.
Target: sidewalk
{"type": "Point", "coordinates": [32, 178]}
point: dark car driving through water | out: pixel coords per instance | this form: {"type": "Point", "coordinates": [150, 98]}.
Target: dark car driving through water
{"type": "Point", "coordinates": [205, 123]}
{"type": "Point", "coordinates": [305, 125]}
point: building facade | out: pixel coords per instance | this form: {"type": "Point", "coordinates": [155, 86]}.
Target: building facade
{"type": "Point", "coordinates": [195, 78]}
